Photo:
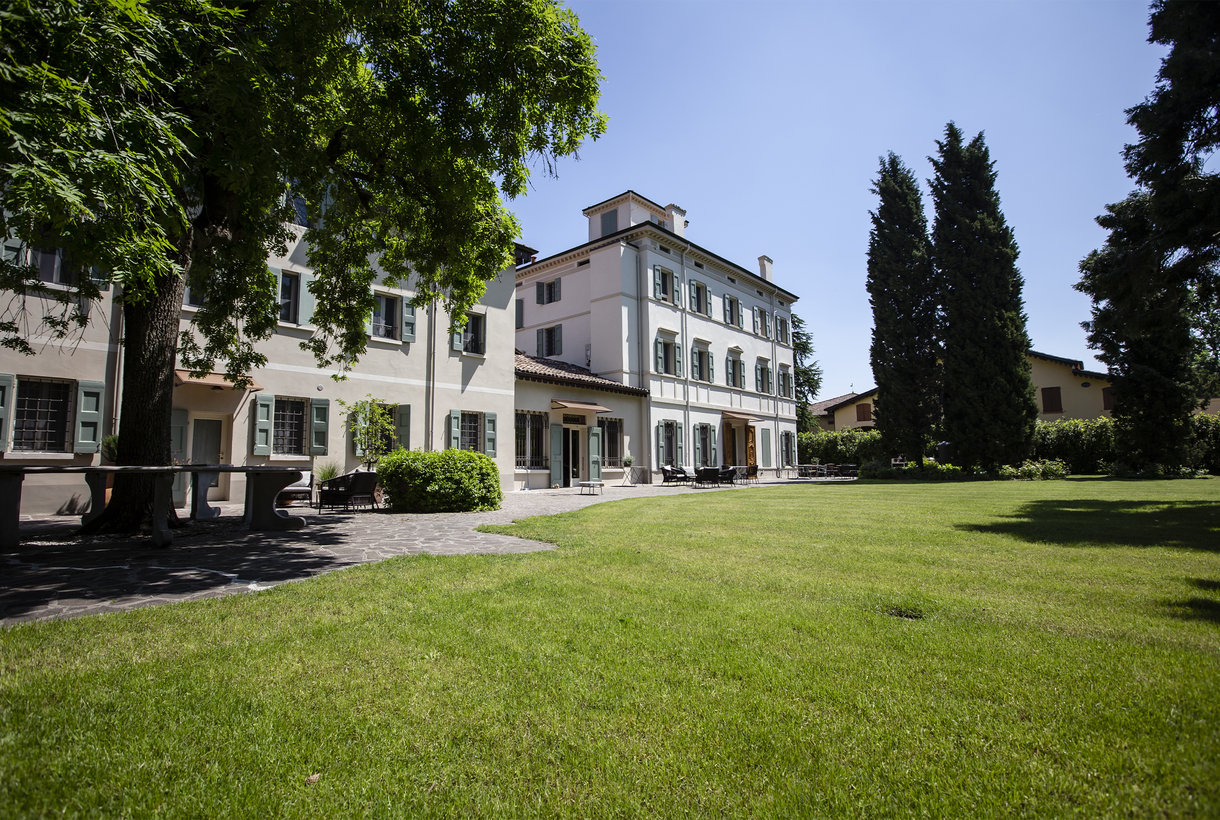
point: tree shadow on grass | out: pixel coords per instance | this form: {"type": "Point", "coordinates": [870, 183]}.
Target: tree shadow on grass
{"type": "Point", "coordinates": [56, 572]}
{"type": "Point", "coordinates": [1191, 525]}
{"type": "Point", "coordinates": [1198, 608]}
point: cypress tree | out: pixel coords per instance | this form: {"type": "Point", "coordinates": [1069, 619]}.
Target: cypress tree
{"type": "Point", "coordinates": [989, 409]}
{"type": "Point", "coordinates": [905, 349]}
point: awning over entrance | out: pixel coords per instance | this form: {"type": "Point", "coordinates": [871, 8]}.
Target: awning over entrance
{"type": "Point", "coordinates": [734, 415]}
{"type": "Point", "coordinates": [556, 404]}
{"type": "Point", "coordinates": [213, 380]}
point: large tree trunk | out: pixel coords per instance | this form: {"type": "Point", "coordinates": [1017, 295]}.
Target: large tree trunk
{"type": "Point", "coordinates": [149, 351]}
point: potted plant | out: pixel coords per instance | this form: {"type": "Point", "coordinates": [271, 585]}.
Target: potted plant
{"type": "Point", "coordinates": [628, 460]}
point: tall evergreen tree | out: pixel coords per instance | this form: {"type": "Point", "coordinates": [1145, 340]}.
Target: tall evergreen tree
{"type": "Point", "coordinates": [807, 375]}
{"type": "Point", "coordinates": [905, 352]}
{"type": "Point", "coordinates": [1141, 328]}
{"type": "Point", "coordinates": [1155, 284]}
{"type": "Point", "coordinates": [989, 409]}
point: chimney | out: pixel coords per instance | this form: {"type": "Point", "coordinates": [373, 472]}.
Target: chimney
{"type": "Point", "coordinates": [764, 267]}
{"type": "Point", "coordinates": [677, 219]}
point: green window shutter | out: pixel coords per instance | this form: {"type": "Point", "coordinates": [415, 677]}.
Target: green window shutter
{"type": "Point", "coordinates": [557, 454]}
{"type": "Point", "coordinates": [489, 434]}
{"type": "Point", "coordinates": [262, 416]}
{"type": "Point", "coordinates": [757, 378]}
{"type": "Point", "coordinates": [766, 447]}
{"type": "Point", "coordinates": [698, 445]}
{"type": "Point", "coordinates": [707, 304]}
{"type": "Point", "coordinates": [656, 281]}
{"type": "Point", "coordinates": [711, 436]}
{"type": "Point", "coordinates": [90, 397]}
{"type": "Point", "coordinates": [755, 313]}
{"type": "Point", "coordinates": [741, 373]}
{"type": "Point", "coordinates": [679, 435]}
{"type": "Point", "coordinates": [595, 453]}
{"type": "Point", "coordinates": [520, 313]}
{"type": "Point", "coordinates": [7, 382]}
{"type": "Point", "coordinates": [660, 346]}
{"type": "Point", "coordinates": [558, 340]}
{"type": "Point", "coordinates": [729, 371]}
{"type": "Point", "coordinates": [402, 426]}
{"type": "Point", "coordinates": [305, 300]}
{"type": "Point", "coordinates": [711, 369]}
{"type": "Point", "coordinates": [408, 322]}
{"type": "Point", "coordinates": [694, 364]}
{"type": "Point", "coordinates": [677, 360]}
{"type": "Point", "coordinates": [455, 429]}
{"type": "Point", "coordinates": [694, 295]}
{"type": "Point", "coordinates": [661, 461]}
{"type": "Point", "coordinates": [540, 293]}
{"type": "Point", "coordinates": [541, 342]}
{"type": "Point", "coordinates": [557, 290]}
{"type": "Point", "coordinates": [725, 304]}
{"type": "Point", "coordinates": [319, 423]}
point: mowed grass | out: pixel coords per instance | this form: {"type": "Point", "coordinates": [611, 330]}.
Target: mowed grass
{"type": "Point", "coordinates": [852, 649]}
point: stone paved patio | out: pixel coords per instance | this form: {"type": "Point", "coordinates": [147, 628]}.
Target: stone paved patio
{"type": "Point", "coordinates": [54, 575]}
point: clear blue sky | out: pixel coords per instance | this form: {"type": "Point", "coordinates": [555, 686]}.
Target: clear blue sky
{"type": "Point", "coordinates": [765, 121]}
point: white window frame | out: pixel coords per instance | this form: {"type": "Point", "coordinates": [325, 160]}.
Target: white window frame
{"type": "Point", "coordinates": [292, 305]}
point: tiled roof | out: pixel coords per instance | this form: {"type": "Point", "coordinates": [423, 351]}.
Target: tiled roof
{"type": "Point", "coordinates": [825, 406]}
{"type": "Point", "coordinates": [552, 371]}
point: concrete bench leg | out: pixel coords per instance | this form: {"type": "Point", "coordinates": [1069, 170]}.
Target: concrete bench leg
{"type": "Point", "coordinates": [163, 490]}
{"type": "Point", "coordinates": [201, 510]}
{"type": "Point", "coordinates": [261, 490]}
{"type": "Point", "coordinates": [97, 496]}
{"type": "Point", "coordinates": [10, 508]}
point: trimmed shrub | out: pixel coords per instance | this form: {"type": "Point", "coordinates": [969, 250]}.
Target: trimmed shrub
{"type": "Point", "coordinates": [1033, 471]}
{"type": "Point", "coordinates": [1084, 445]}
{"type": "Point", "coordinates": [932, 471]}
{"type": "Point", "coordinates": [839, 447]}
{"type": "Point", "coordinates": [448, 481]}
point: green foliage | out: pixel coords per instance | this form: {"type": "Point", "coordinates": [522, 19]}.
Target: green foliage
{"type": "Point", "coordinates": [326, 470]}
{"type": "Point", "coordinates": [905, 352]}
{"type": "Point", "coordinates": [109, 448]}
{"type": "Point", "coordinates": [929, 470]}
{"type": "Point", "coordinates": [1033, 470]}
{"type": "Point", "coordinates": [371, 424]}
{"type": "Point", "coordinates": [447, 481]}
{"type": "Point", "coordinates": [989, 408]}
{"type": "Point", "coordinates": [806, 373]}
{"type": "Point", "coordinates": [1207, 442]}
{"type": "Point", "coordinates": [1086, 446]}
{"type": "Point", "coordinates": [839, 447]}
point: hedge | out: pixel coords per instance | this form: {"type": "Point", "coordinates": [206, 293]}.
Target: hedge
{"type": "Point", "coordinates": [447, 481]}
{"type": "Point", "coordinates": [1086, 446]}
{"type": "Point", "coordinates": [839, 447]}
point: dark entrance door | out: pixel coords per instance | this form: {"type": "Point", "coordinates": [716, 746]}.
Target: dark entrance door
{"type": "Point", "coordinates": [571, 455]}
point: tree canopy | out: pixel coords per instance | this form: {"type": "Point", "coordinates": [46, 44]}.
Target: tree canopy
{"type": "Point", "coordinates": [175, 147]}
{"type": "Point", "coordinates": [806, 374]}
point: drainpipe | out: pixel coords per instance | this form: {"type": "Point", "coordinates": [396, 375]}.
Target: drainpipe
{"type": "Point", "coordinates": [642, 349]}
{"type": "Point", "coordinates": [775, 380]}
{"type": "Point", "coordinates": [690, 344]}
{"type": "Point", "coordinates": [116, 372]}
{"type": "Point", "coordinates": [430, 381]}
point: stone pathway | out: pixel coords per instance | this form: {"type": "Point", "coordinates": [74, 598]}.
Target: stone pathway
{"type": "Point", "coordinates": [55, 575]}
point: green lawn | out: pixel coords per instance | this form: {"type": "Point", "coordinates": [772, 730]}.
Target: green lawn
{"type": "Point", "coordinates": [844, 649]}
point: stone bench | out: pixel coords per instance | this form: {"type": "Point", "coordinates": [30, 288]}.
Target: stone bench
{"type": "Point", "coordinates": [263, 484]}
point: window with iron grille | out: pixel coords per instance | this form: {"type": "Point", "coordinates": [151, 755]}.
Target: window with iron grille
{"type": "Point", "coordinates": [290, 426]}
{"type": "Point", "coordinates": [472, 432]}
{"type": "Point", "coordinates": [612, 442]}
{"type": "Point", "coordinates": [42, 414]}
{"type": "Point", "coordinates": [531, 438]}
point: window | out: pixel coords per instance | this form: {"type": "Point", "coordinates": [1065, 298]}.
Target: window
{"type": "Point", "coordinates": [547, 292]}
{"type": "Point", "coordinates": [1107, 398]}
{"type": "Point", "coordinates": [781, 330]}
{"type": "Point", "coordinates": [472, 338]}
{"type": "Point", "coordinates": [531, 438]}
{"type": "Point", "coordinates": [669, 356]}
{"type": "Point", "coordinates": [612, 442]}
{"type": "Point", "coordinates": [194, 296]}
{"type": "Point", "coordinates": [472, 429]}
{"type": "Point", "coordinates": [289, 426]}
{"type": "Point", "coordinates": [290, 297]}
{"type": "Point", "coordinates": [732, 311]}
{"type": "Point", "coordinates": [385, 316]}
{"type": "Point", "coordinates": [735, 370]}
{"type": "Point", "coordinates": [864, 412]}
{"type": "Point", "coordinates": [41, 415]}
{"type": "Point", "coordinates": [705, 445]}
{"type": "Point", "coordinates": [762, 376]}
{"type": "Point", "coordinates": [787, 448]}
{"type": "Point", "coordinates": [785, 382]}
{"type": "Point", "coordinates": [520, 313]}
{"type": "Point", "coordinates": [664, 286]}
{"type": "Point", "coordinates": [762, 323]}
{"type": "Point", "coordinates": [701, 364]}
{"type": "Point", "coordinates": [53, 268]}
{"type": "Point", "coordinates": [700, 300]}
{"type": "Point", "coordinates": [669, 444]}
{"type": "Point", "coordinates": [609, 222]}
{"type": "Point", "coordinates": [550, 341]}
{"type": "Point", "coordinates": [1052, 400]}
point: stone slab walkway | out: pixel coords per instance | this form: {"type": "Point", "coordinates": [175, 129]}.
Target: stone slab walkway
{"type": "Point", "coordinates": [56, 575]}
